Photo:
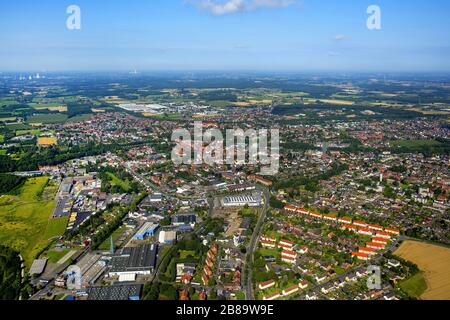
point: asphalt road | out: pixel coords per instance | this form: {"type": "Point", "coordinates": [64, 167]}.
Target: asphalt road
{"type": "Point", "coordinates": [251, 248]}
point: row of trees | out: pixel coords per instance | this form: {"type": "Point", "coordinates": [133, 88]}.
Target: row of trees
{"type": "Point", "coordinates": [10, 270]}
{"type": "Point", "coordinates": [35, 157]}
{"type": "Point", "coordinates": [9, 182]}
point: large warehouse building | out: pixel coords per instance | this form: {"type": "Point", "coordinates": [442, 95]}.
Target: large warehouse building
{"type": "Point", "coordinates": [134, 261]}
{"type": "Point", "coordinates": [147, 229]}
{"type": "Point", "coordinates": [241, 201]}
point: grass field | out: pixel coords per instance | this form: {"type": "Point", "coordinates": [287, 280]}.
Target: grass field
{"type": "Point", "coordinates": [49, 106]}
{"type": "Point", "coordinates": [56, 227]}
{"type": "Point", "coordinates": [80, 117]}
{"type": "Point", "coordinates": [26, 220]}
{"type": "Point", "coordinates": [107, 243]}
{"type": "Point", "coordinates": [185, 253]}
{"type": "Point", "coordinates": [54, 256]}
{"type": "Point", "coordinates": [415, 286]}
{"type": "Point", "coordinates": [115, 181]}
{"type": "Point", "coordinates": [35, 132]}
{"type": "Point", "coordinates": [434, 262]}
{"type": "Point", "coordinates": [8, 119]}
{"type": "Point", "coordinates": [2, 138]}
{"type": "Point", "coordinates": [48, 118]}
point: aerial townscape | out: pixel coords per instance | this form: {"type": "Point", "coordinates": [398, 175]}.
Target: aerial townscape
{"type": "Point", "coordinates": [88, 186]}
{"type": "Point", "coordinates": [272, 151]}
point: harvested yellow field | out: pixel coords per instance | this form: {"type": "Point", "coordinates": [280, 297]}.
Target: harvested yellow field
{"type": "Point", "coordinates": [203, 115]}
{"type": "Point", "coordinates": [261, 101]}
{"type": "Point", "coordinates": [148, 114]}
{"type": "Point", "coordinates": [430, 112]}
{"type": "Point", "coordinates": [338, 102]}
{"type": "Point", "coordinates": [434, 261]}
{"type": "Point", "coordinates": [251, 102]}
{"type": "Point", "coordinates": [47, 141]}
{"type": "Point", "coordinates": [52, 108]}
{"type": "Point", "coordinates": [98, 110]}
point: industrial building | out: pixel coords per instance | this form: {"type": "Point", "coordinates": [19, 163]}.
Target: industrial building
{"type": "Point", "coordinates": [241, 201]}
{"type": "Point", "coordinates": [167, 236]}
{"type": "Point", "coordinates": [147, 229]}
{"type": "Point", "coordinates": [155, 198]}
{"type": "Point", "coordinates": [134, 261]}
{"type": "Point", "coordinates": [180, 219]}
{"type": "Point", "coordinates": [115, 292]}
{"type": "Point", "coordinates": [92, 267]}
{"type": "Point", "coordinates": [38, 267]}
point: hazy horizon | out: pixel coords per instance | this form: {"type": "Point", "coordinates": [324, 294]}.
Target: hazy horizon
{"type": "Point", "coordinates": [225, 35]}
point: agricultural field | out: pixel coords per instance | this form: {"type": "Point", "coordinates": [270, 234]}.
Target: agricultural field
{"type": "Point", "coordinates": [434, 262]}
{"type": "Point", "coordinates": [415, 286]}
{"type": "Point", "coordinates": [34, 132]}
{"type": "Point", "coordinates": [51, 107]}
{"type": "Point", "coordinates": [47, 141]}
{"type": "Point", "coordinates": [79, 118]}
{"type": "Point", "coordinates": [48, 118]}
{"type": "Point", "coordinates": [26, 223]}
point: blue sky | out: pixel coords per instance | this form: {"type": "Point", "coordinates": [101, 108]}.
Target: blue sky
{"type": "Point", "coordinates": [267, 35]}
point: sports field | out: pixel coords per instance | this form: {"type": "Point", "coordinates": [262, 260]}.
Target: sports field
{"type": "Point", "coordinates": [26, 222]}
{"type": "Point", "coordinates": [434, 262]}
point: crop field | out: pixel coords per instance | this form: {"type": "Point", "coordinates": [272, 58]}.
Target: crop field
{"type": "Point", "coordinates": [26, 223]}
{"type": "Point", "coordinates": [50, 107]}
{"type": "Point", "coordinates": [434, 262]}
{"type": "Point", "coordinates": [46, 141]}
{"type": "Point", "coordinates": [35, 132]}
{"type": "Point", "coordinates": [48, 118]}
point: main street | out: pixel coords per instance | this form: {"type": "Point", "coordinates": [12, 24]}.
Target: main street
{"type": "Point", "coordinates": [251, 248]}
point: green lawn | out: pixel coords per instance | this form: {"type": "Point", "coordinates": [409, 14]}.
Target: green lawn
{"type": "Point", "coordinates": [54, 256]}
{"type": "Point", "coordinates": [414, 286]}
{"type": "Point", "coordinates": [35, 132]}
{"type": "Point", "coordinates": [240, 296]}
{"type": "Point", "coordinates": [26, 220]}
{"type": "Point", "coordinates": [107, 243]}
{"type": "Point", "coordinates": [115, 181]}
{"type": "Point", "coordinates": [56, 227]}
{"type": "Point", "coordinates": [80, 117]}
{"type": "Point", "coordinates": [184, 254]}
{"type": "Point", "coordinates": [2, 138]}
{"type": "Point", "coordinates": [169, 116]}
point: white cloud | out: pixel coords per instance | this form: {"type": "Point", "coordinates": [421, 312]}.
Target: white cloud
{"type": "Point", "coordinates": [339, 37]}
{"type": "Point", "coordinates": [333, 54]}
{"type": "Point", "coordinates": [223, 7]}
